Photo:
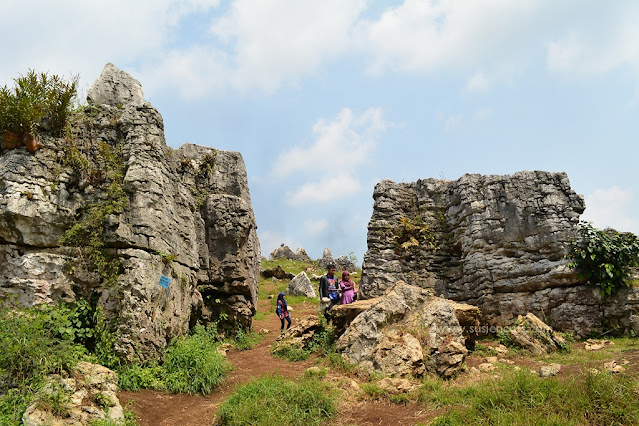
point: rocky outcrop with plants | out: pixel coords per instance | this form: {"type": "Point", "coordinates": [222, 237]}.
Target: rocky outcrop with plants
{"type": "Point", "coordinates": [502, 243]}
{"type": "Point", "coordinates": [106, 209]}
{"type": "Point", "coordinates": [406, 333]}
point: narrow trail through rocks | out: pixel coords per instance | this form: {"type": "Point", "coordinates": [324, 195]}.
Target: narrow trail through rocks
{"type": "Point", "coordinates": [155, 408]}
{"type": "Point", "coordinates": [162, 408]}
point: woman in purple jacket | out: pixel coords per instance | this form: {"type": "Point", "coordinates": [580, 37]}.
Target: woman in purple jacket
{"type": "Point", "coordinates": [348, 288]}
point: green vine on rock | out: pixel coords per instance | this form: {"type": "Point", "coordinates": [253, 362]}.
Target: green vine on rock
{"type": "Point", "coordinates": [604, 257]}
{"type": "Point", "coordinates": [87, 234]}
{"type": "Point", "coordinates": [412, 233]}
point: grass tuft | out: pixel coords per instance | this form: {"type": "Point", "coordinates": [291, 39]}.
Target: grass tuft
{"type": "Point", "coordinates": [274, 400]}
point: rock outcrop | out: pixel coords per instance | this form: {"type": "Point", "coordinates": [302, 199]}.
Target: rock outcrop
{"type": "Point", "coordinates": [91, 390]}
{"type": "Point", "coordinates": [285, 252]}
{"type": "Point", "coordinates": [496, 242]}
{"type": "Point", "coordinates": [534, 335]}
{"type": "Point", "coordinates": [326, 259]}
{"type": "Point", "coordinates": [405, 333]}
{"type": "Point", "coordinates": [104, 212]}
{"type": "Point", "coordinates": [301, 286]}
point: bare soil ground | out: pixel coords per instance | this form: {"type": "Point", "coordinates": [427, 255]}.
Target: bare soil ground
{"type": "Point", "coordinates": [164, 409]}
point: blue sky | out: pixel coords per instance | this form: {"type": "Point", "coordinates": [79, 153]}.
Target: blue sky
{"type": "Point", "coordinates": [326, 98]}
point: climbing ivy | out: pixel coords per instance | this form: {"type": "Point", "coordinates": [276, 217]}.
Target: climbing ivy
{"type": "Point", "coordinates": [87, 234]}
{"type": "Point", "coordinates": [604, 257]}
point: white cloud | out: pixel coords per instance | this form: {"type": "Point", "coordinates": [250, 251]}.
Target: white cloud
{"type": "Point", "coordinates": [612, 208]}
{"type": "Point", "coordinates": [453, 122]}
{"type": "Point", "coordinates": [315, 227]}
{"type": "Point", "coordinates": [253, 44]}
{"type": "Point", "coordinates": [453, 35]}
{"type": "Point", "coordinates": [348, 141]}
{"type": "Point", "coordinates": [330, 162]}
{"type": "Point", "coordinates": [79, 37]}
{"type": "Point", "coordinates": [597, 45]}
{"type": "Point", "coordinates": [478, 83]}
{"type": "Point", "coordinates": [328, 188]}
{"type": "Point", "coordinates": [279, 41]}
{"type": "Point", "coordinates": [483, 113]}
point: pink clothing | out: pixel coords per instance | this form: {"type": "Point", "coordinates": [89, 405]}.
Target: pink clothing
{"type": "Point", "coordinates": [348, 291]}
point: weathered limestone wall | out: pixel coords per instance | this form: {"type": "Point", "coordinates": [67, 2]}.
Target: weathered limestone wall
{"type": "Point", "coordinates": [497, 242]}
{"type": "Point", "coordinates": [188, 215]}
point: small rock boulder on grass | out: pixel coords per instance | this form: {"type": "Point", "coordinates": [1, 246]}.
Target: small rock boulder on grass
{"type": "Point", "coordinates": [299, 336]}
{"type": "Point", "coordinates": [90, 393]}
{"type": "Point", "coordinates": [534, 335]}
{"type": "Point", "coordinates": [406, 333]}
{"type": "Point", "coordinates": [301, 286]}
{"type": "Point", "coordinates": [277, 272]}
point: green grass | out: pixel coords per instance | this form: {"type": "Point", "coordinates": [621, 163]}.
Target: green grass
{"type": "Point", "coordinates": [614, 351]}
{"type": "Point", "coordinates": [520, 397]}
{"type": "Point", "coordinates": [290, 352]}
{"type": "Point", "coordinates": [273, 400]}
{"type": "Point", "coordinates": [192, 365]}
{"type": "Point", "coordinates": [244, 341]}
{"type": "Point", "coordinates": [31, 348]}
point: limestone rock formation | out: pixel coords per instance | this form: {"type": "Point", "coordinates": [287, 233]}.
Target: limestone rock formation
{"type": "Point", "coordinates": [285, 252]}
{"type": "Point", "coordinates": [184, 214]}
{"type": "Point", "coordinates": [327, 259]}
{"type": "Point", "coordinates": [115, 87]}
{"type": "Point", "coordinates": [92, 392]}
{"type": "Point", "coordinates": [299, 336]}
{"type": "Point", "coordinates": [535, 336]}
{"type": "Point", "coordinates": [343, 263]}
{"type": "Point", "coordinates": [301, 286]}
{"type": "Point", "coordinates": [405, 333]}
{"type": "Point", "coordinates": [277, 272]}
{"type": "Point", "coordinates": [301, 254]}
{"type": "Point", "coordinates": [496, 242]}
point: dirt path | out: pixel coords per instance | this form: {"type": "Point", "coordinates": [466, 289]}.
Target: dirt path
{"type": "Point", "coordinates": [164, 409]}
{"type": "Point", "coordinates": [155, 408]}
{"type": "Point", "coordinates": [161, 408]}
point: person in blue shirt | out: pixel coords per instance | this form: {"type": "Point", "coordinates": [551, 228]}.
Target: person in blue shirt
{"type": "Point", "coordinates": [328, 291]}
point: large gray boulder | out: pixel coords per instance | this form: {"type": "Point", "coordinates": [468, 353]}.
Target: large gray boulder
{"type": "Point", "coordinates": [185, 214]}
{"type": "Point", "coordinates": [406, 333]}
{"type": "Point", "coordinates": [534, 335]}
{"type": "Point", "coordinates": [496, 242]}
{"type": "Point", "coordinates": [301, 286]}
{"type": "Point", "coordinates": [115, 88]}
{"type": "Point", "coordinates": [283, 252]}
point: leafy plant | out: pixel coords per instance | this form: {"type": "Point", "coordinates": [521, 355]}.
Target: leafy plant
{"type": "Point", "coordinates": [604, 257]}
{"type": "Point", "coordinates": [412, 232]}
{"type": "Point", "coordinates": [37, 96]}
{"type": "Point", "coordinates": [30, 349]}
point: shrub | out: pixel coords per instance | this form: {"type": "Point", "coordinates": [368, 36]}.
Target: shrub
{"type": "Point", "coordinates": [274, 400]}
{"type": "Point", "coordinates": [193, 364]}
{"type": "Point", "coordinates": [135, 377]}
{"type": "Point", "coordinates": [31, 348]}
{"type": "Point", "coordinates": [36, 96]}
{"type": "Point", "coordinates": [604, 257]}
